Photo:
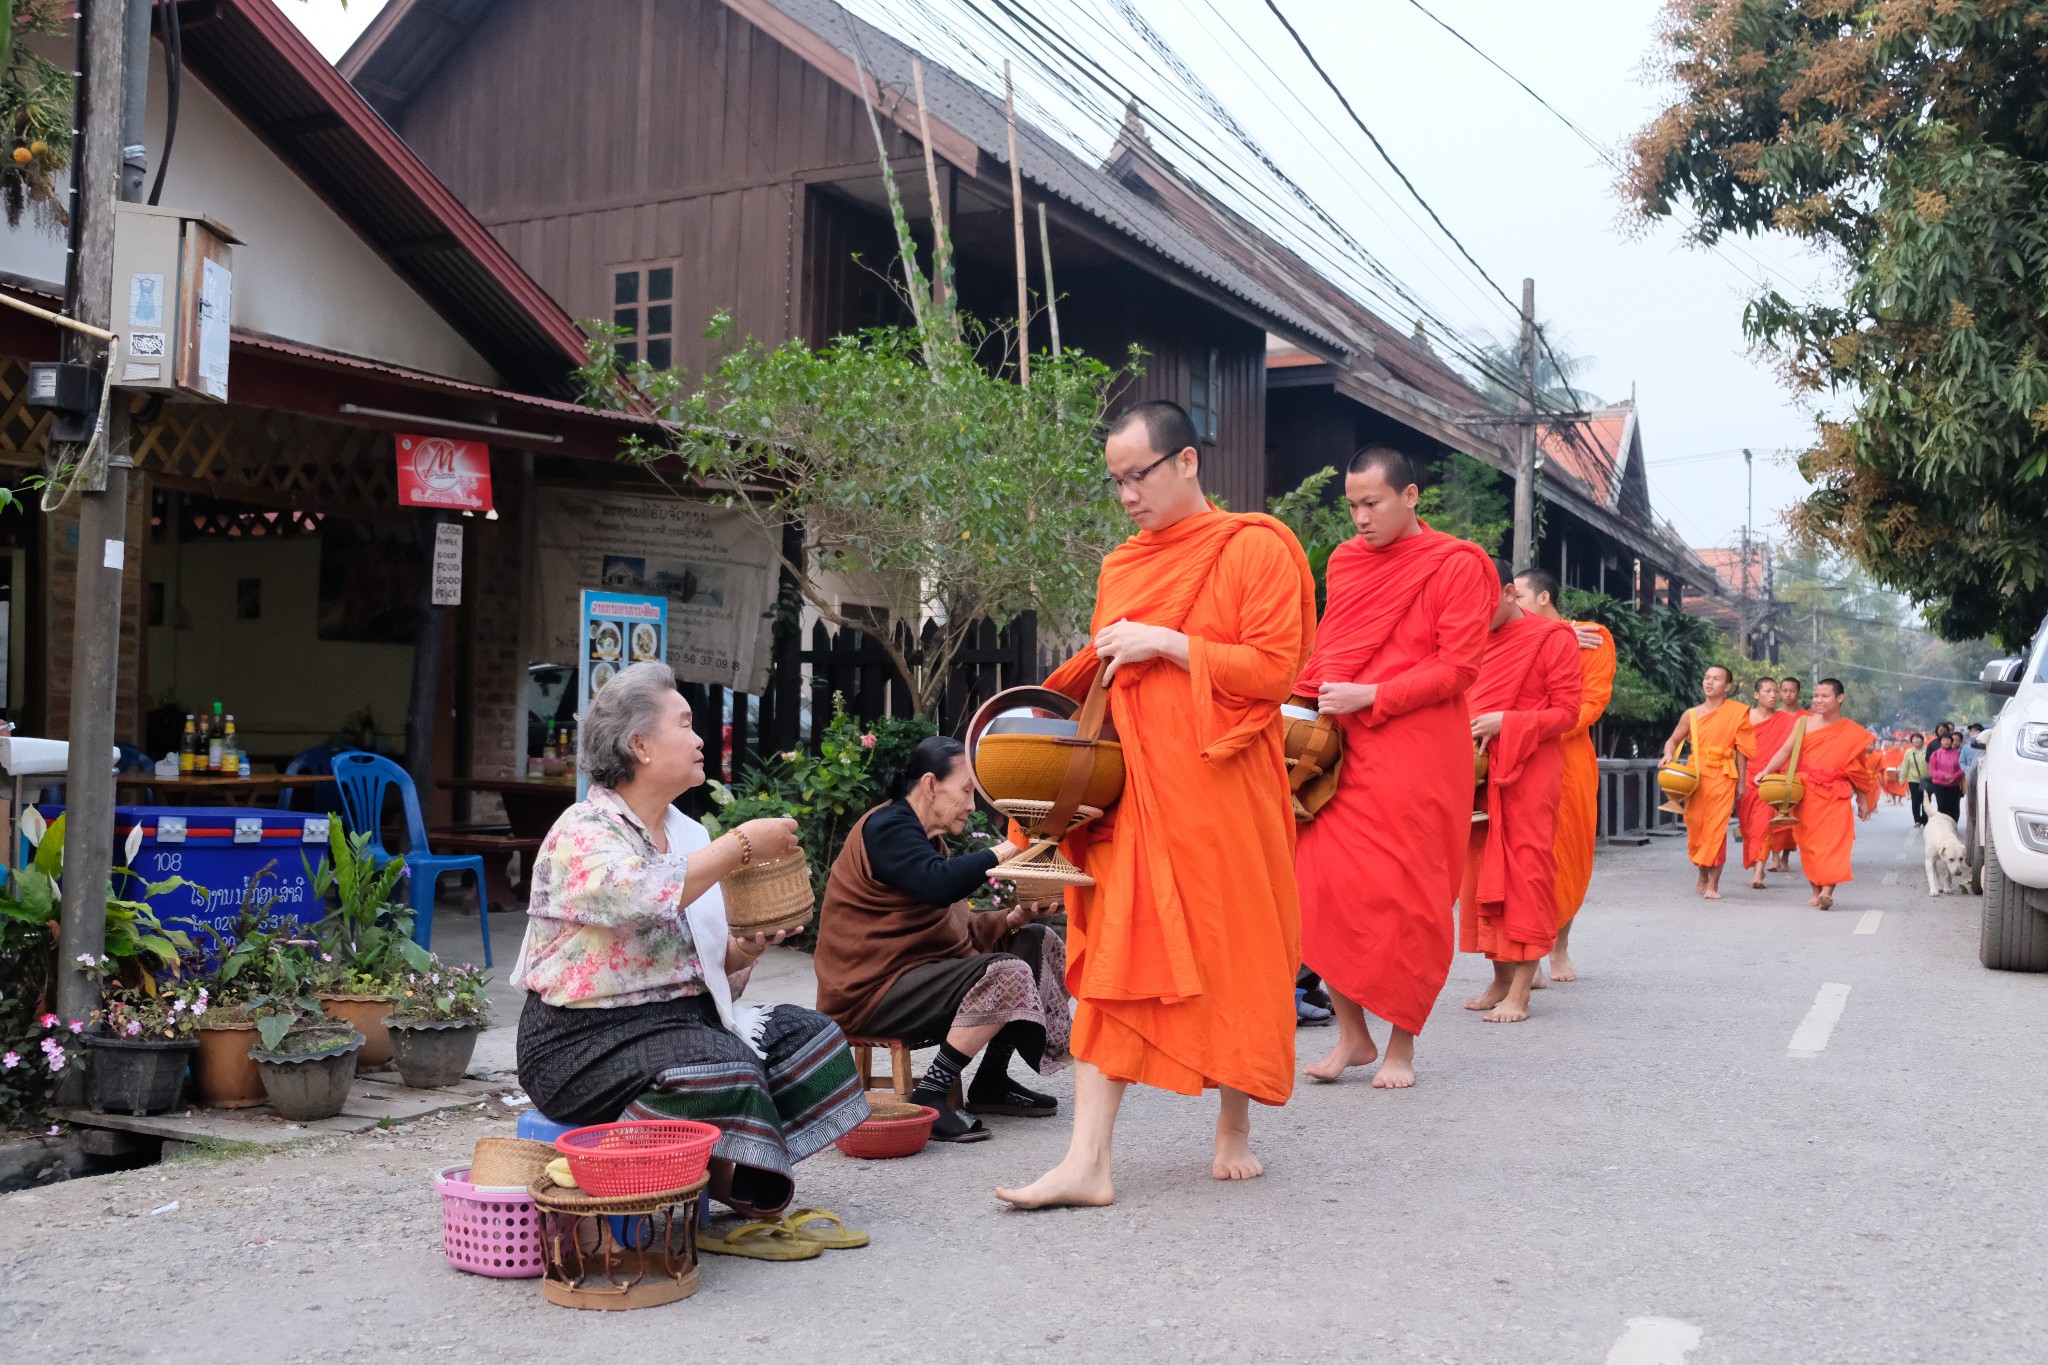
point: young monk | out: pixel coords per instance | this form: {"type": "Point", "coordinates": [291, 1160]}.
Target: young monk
{"type": "Point", "coordinates": [1783, 841]}
{"type": "Point", "coordinates": [1726, 742]}
{"type": "Point", "coordinates": [1400, 642]}
{"type": "Point", "coordinates": [1835, 766]}
{"type": "Point", "coordinates": [1182, 956]}
{"type": "Point", "coordinates": [1772, 727]}
{"type": "Point", "coordinates": [1525, 699]}
{"type": "Point", "coordinates": [1578, 808]}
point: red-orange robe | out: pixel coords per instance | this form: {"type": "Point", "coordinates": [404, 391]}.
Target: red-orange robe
{"type": "Point", "coordinates": [1721, 735]}
{"type": "Point", "coordinates": [1751, 813]}
{"type": "Point", "coordinates": [1379, 865]}
{"type": "Point", "coordinates": [1182, 958]}
{"type": "Point", "coordinates": [1507, 904]}
{"type": "Point", "coordinates": [1784, 839]}
{"type": "Point", "coordinates": [1578, 806]}
{"type": "Point", "coordinates": [1891, 758]}
{"type": "Point", "coordinates": [1836, 767]}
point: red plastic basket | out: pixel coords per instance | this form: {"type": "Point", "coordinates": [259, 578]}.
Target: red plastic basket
{"type": "Point", "coordinates": [881, 1139]}
{"type": "Point", "coordinates": [638, 1156]}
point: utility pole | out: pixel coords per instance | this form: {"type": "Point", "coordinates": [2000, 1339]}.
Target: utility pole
{"type": "Point", "coordinates": [1525, 457]}
{"type": "Point", "coordinates": [1748, 516]}
{"type": "Point", "coordinates": [108, 160]}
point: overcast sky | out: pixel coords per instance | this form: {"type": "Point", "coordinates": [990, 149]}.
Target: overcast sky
{"type": "Point", "coordinates": [1517, 187]}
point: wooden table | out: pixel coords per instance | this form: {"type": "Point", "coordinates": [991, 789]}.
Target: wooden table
{"type": "Point", "coordinates": [532, 804]}
{"type": "Point", "coordinates": [218, 789]}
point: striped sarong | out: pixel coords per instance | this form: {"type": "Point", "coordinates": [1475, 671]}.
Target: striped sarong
{"type": "Point", "coordinates": [672, 1059]}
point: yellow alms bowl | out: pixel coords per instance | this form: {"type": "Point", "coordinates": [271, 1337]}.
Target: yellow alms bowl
{"type": "Point", "coordinates": [1032, 767]}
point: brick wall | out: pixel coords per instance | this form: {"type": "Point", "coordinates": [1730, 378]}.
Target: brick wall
{"type": "Point", "coordinates": [60, 580]}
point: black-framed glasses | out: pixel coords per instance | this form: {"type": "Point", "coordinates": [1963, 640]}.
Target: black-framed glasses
{"type": "Point", "coordinates": [1117, 484]}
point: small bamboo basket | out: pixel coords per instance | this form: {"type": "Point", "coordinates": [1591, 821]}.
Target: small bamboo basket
{"type": "Point", "coordinates": [770, 897]}
{"type": "Point", "coordinates": [509, 1163]}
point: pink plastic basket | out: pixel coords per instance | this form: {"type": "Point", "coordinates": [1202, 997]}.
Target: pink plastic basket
{"type": "Point", "coordinates": [488, 1231]}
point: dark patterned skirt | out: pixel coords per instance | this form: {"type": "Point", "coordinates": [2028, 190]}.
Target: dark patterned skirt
{"type": "Point", "coordinates": [673, 1060]}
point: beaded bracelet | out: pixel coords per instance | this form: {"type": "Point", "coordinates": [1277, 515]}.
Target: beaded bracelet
{"type": "Point", "coordinates": [746, 847]}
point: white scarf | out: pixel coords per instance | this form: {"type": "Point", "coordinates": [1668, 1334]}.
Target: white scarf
{"type": "Point", "coordinates": [706, 917]}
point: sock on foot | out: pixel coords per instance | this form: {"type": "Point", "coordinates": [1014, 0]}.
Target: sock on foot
{"type": "Point", "coordinates": [939, 1077]}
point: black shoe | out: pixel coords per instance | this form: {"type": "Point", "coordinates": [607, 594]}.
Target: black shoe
{"type": "Point", "coordinates": [951, 1125]}
{"type": "Point", "coordinates": [1014, 1101]}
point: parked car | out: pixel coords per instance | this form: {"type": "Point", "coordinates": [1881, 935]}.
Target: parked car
{"type": "Point", "coordinates": [2006, 831]}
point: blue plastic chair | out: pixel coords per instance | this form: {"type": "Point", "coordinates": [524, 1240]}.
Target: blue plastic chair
{"type": "Point", "coordinates": [317, 761]}
{"type": "Point", "coordinates": [363, 780]}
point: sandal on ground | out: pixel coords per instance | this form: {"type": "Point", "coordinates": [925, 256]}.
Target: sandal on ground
{"type": "Point", "coordinates": [954, 1127]}
{"type": "Point", "coordinates": [760, 1241]}
{"type": "Point", "coordinates": [825, 1228]}
{"type": "Point", "coordinates": [1014, 1102]}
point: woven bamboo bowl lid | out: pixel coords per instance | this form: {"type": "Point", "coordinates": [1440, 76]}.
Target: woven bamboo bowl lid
{"type": "Point", "coordinates": [769, 897]}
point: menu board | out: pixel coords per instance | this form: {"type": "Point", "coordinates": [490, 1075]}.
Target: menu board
{"type": "Point", "coordinates": [617, 629]}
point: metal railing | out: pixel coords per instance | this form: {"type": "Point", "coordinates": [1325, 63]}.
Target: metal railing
{"type": "Point", "coordinates": [1629, 801]}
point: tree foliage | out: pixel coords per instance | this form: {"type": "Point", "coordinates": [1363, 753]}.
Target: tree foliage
{"type": "Point", "coordinates": [1660, 656]}
{"type": "Point", "coordinates": [1907, 140]}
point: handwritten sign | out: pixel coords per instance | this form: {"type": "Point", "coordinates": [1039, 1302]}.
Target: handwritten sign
{"type": "Point", "coordinates": [447, 588]}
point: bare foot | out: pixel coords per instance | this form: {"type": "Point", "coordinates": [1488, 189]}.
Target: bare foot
{"type": "Point", "coordinates": [1827, 900]}
{"type": "Point", "coordinates": [1756, 883]}
{"type": "Point", "coordinates": [1067, 1185]}
{"type": "Point", "coordinates": [1561, 968]}
{"type": "Point", "coordinates": [1234, 1157]}
{"type": "Point", "coordinates": [1709, 893]}
{"type": "Point", "coordinates": [1342, 1057]}
{"type": "Point", "coordinates": [1814, 899]}
{"type": "Point", "coordinates": [1541, 983]}
{"type": "Point", "coordinates": [1506, 1012]}
{"type": "Point", "coordinates": [1489, 997]}
{"type": "Point", "coordinates": [1398, 1071]}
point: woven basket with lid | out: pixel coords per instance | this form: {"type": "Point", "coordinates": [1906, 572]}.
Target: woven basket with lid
{"type": "Point", "coordinates": [769, 897]}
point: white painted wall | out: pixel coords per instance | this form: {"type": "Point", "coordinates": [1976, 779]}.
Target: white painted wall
{"type": "Point", "coordinates": [301, 274]}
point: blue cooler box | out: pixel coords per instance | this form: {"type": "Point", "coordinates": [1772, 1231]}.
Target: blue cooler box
{"type": "Point", "coordinates": [224, 849]}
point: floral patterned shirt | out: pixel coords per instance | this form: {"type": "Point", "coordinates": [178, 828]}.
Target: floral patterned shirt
{"type": "Point", "coordinates": [605, 924]}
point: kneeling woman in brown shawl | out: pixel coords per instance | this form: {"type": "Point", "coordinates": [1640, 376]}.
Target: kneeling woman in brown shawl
{"type": "Point", "coordinates": [900, 955]}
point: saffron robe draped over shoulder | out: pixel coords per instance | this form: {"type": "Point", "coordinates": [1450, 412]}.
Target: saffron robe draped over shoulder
{"type": "Point", "coordinates": [1507, 903]}
{"type": "Point", "coordinates": [1182, 957]}
{"type": "Point", "coordinates": [1751, 814]}
{"type": "Point", "coordinates": [1578, 805]}
{"type": "Point", "coordinates": [1836, 767]}
{"type": "Point", "coordinates": [1785, 838]}
{"type": "Point", "coordinates": [1721, 735]}
{"type": "Point", "coordinates": [1379, 865]}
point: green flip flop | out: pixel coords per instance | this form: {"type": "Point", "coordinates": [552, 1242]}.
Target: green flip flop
{"type": "Point", "coordinates": [834, 1234]}
{"type": "Point", "coordinates": [758, 1241]}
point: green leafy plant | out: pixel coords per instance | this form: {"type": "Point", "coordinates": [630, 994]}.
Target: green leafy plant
{"type": "Point", "coordinates": [35, 113]}
{"type": "Point", "coordinates": [1660, 657]}
{"type": "Point", "coordinates": [442, 994]}
{"type": "Point", "coordinates": [153, 1015]}
{"type": "Point", "coordinates": [366, 939]}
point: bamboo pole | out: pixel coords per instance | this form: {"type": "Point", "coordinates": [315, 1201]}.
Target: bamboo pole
{"type": "Point", "coordinates": [1052, 302]}
{"type": "Point", "coordinates": [942, 245]}
{"type": "Point", "coordinates": [1017, 218]}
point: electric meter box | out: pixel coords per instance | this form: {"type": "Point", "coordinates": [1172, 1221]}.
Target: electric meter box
{"type": "Point", "coordinates": [173, 281]}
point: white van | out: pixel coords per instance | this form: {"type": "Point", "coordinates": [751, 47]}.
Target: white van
{"type": "Point", "coordinates": [2007, 827]}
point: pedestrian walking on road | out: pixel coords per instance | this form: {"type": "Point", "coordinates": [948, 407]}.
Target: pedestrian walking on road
{"type": "Point", "coordinates": [1400, 642]}
{"type": "Point", "coordinates": [1913, 772]}
{"type": "Point", "coordinates": [1772, 725]}
{"type": "Point", "coordinates": [1723, 743]}
{"type": "Point", "coordinates": [1184, 952]}
{"type": "Point", "coordinates": [1835, 768]}
{"type": "Point", "coordinates": [1784, 842]}
{"type": "Point", "coordinates": [1945, 776]}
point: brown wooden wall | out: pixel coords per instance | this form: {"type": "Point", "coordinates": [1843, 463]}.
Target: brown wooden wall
{"type": "Point", "coordinates": [643, 133]}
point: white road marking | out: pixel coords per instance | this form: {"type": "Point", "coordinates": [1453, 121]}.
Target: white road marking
{"type": "Point", "coordinates": [1890, 878]}
{"type": "Point", "coordinates": [1812, 1034]}
{"type": "Point", "coordinates": [1654, 1341]}
{"type": "Point", "coordinates": [1868, 924]}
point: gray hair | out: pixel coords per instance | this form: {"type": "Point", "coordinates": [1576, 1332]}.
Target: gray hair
{"type": "Point", "coordinates": [628, 705]}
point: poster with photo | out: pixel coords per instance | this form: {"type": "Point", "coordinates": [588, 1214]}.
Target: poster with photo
{"type": "Point", "coordinates": [614, 630]}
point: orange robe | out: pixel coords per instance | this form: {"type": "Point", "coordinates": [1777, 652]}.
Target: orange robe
{"type": "Point", "coordinates": [1507, 904]}
{"type": "Point", "coordinates": [1721, 736]}
{"type": "Point", "coordinates": [1578, 808]}
{"type": "Point", "coordinates": [1785, 839]}
{"type": "Point", "coordinates": [1181, 958]}
{"type": "Point", "coordinates": [1379, 865]}
{"type": "Point", "coordinates": [1892, 758]}
{"type": "Point", "coordinates": [1751, 813]}
{"type": "Point", "coordinates": [1835, 766]}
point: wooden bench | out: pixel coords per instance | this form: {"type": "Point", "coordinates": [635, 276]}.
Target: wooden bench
{"type": "Point", "coordinates": [900, 1082]}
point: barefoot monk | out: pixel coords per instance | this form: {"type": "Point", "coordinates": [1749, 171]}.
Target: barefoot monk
{"type": "Point", "coordinates": [1400, 642]}
{"type": "Point", "coordinates": [1182, 956]}
{"type": "Point", "coordinates": [1772, 727]}
{"type": "Point", "coordinates": [1578, 808]}
{"type": "Point", "coordinates": [1784, 842]}
{"type": "Point", "coordinates": [1525, 700]}
{"type": "Point", "coordinates": [1836, 768]}
{"type": "Point", "coordinates": [1723, 743]}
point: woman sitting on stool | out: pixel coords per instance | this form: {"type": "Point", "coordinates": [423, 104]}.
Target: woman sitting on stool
{"type": "Point", "coordinates": [634, 976]}
{"type": "Point", "coordinates": [901, 956]}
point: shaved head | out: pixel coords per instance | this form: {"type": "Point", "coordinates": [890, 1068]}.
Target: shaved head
{"type": "Point", "coordinates": [1393, 466]}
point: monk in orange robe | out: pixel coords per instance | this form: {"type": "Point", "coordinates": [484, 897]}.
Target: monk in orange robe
{"type": "Point", "coordinates": [1724, 743]}
{"type": "Point", "coordinates": [1784, 842]}
{"type": "Point", "coordinates": [1525, 700]}
{"type": "Point", "coordinates": [1181, 958]}
{"type": "Point", "coordinates": [1835, 768]}
{"type": "Point", "coordinates": [1400, 642]}
{"type": "Point", "coordinates": [1578, 808]}
{"type": "Point", "coordinates": [1891, 756]}
{"type": "Point", "coordinates": [1772, 727]}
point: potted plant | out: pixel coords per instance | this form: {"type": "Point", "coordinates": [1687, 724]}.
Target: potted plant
{"type": "Point", "coordinates": [251, 965]}
{"type": "Point", "coordinates": [365, 941]}
{"type": "Point", "coordinates": [141, 1043]}
{"type": "Point", "coordinates": [434, 1020]}
{"type": "Point", "coordinates": [307, 1060]}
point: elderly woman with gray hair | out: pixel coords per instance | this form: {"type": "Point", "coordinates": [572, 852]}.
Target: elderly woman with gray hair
{"type": "Point", "coordinates": [635, 978]}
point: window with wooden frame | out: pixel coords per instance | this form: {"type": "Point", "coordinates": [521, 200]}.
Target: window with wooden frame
{"type": "Point", "coordinates": [1205, 395]}
{"type": "Point", "coordinates": [643, 311]}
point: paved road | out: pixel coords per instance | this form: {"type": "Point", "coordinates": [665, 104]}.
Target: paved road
{"type": "Point", "coordinates": [1643, 1172]}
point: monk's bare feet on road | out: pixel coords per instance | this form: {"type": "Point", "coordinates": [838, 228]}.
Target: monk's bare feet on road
{"type": "Point", "coordinates": [1710, 894]}
{"type": "Point", "coordinates": [1398, 1071]}
{"type": "Point", "coordinates": [1071, 1184]}
{"type": "Point", "coordinates": [1506, 1012]}
{"type": "Point", "coordinates": [1826, 900]}
{"type": "Point", "coordinates": [1700, 882]}
{"type": "Point", "coordinates": [1516, 978]}
{"type": "Point", "coordinates": [1561, 968]}
{"type": "Point", "coordinates": [1234, 1157]}
{"type": "Point", "coordinates": [1756, 883]}
{"type": "Point", "coordinates": [1541, 983]}
{"type": "Point", "coordinates": [1346, 1054]}
{"type": "Point", "coordinates": [1489, 997]}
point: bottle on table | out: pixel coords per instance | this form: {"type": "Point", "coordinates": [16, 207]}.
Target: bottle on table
{"type": "Point", "coordinates": [231, 750]}
{"type": "Point", "coordinates": [188, 746]}
{"type": "Point", "coordinates": [216, 742]}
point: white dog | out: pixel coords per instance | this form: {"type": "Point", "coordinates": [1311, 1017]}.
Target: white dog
{"type": "Point", "coordinates": [1947, 864]}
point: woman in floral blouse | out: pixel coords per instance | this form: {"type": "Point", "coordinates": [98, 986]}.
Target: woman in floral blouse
{"type": "Point", "coordinates": [635, 979]}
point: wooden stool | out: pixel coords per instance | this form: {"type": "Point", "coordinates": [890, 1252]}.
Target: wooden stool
{"type": "Point", "coordinates": [901, 1082]}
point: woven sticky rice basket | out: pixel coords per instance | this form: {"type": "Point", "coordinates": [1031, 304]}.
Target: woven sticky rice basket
{"type": "Point", "coordinates": [769, 897]}
{"type": "Point", "coordinates": [509, 1163]}
{"type": "Point", "coordinates": [1033, 768]}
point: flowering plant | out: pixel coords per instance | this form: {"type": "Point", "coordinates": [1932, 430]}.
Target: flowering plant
{"type": "Point", "coordinates": [442, 994]}
{"type": "Point", "coordinates": [31, 1065]}
{"type": "Point", "coordinates": [151, 1012]}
